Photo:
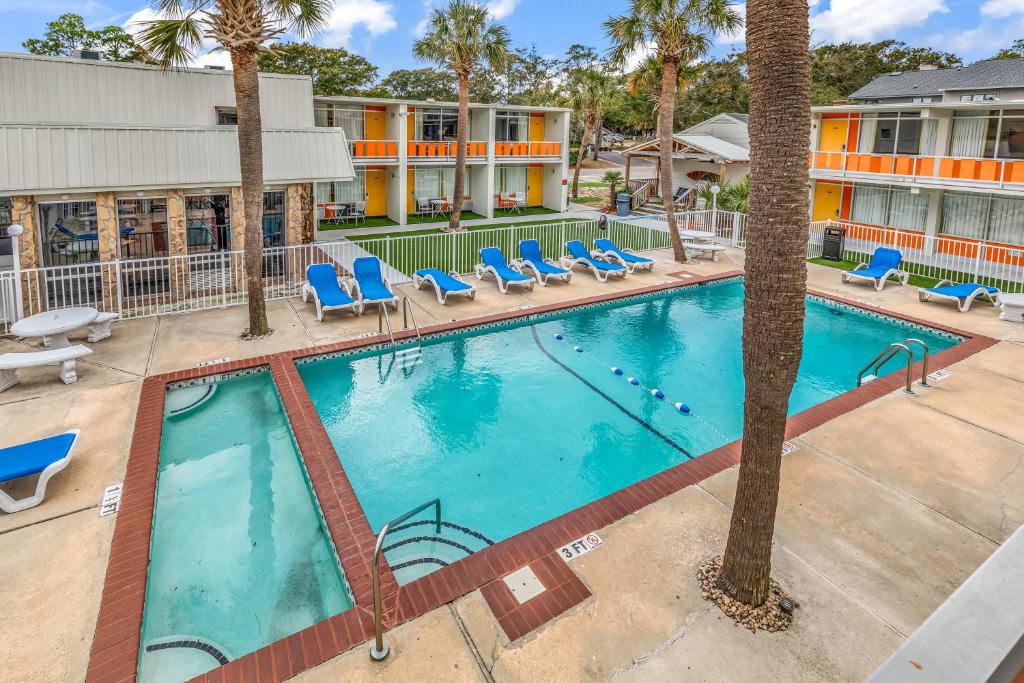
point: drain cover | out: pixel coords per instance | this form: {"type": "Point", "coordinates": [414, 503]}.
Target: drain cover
{"type": "Point", "coordinates": [524, 584]}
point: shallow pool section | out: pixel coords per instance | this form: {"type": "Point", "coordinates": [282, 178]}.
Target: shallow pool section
{"type": "Point", "coordinates": [511, 426]}
{"type": "Point", "coordinates": [239, 555]}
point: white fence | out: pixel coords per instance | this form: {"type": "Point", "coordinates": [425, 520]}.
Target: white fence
{"type": "Point", "coordinates": [937, 257]}
{"type": "Point", "coordinates": [729, 227]}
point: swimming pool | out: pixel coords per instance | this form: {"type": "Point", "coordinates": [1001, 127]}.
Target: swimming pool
{"type": "Point", "coordinates": [238, 555]}
{"type": "Point", "coordinates": [510, 425]}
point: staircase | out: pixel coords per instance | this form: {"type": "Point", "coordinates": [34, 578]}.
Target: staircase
{"type": "Point", "coordinates": [414, 549]}
{"type": "Point", "coordinates": [652, 207]}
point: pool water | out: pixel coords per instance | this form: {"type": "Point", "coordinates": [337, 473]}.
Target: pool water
{"type": "Point", "coordinates": [239, 556]}
{"type": "Point", "coordinates": [510, 426]}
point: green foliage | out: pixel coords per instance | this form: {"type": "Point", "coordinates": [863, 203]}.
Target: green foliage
{"type": "Point", "coordinates": [612, 180]}
{"type": "Point", "coordinates": [335, 71]}
{"type": "Point", "coordinates": [845, 67]}
{"type": "Point", "coordinates": [68, 33]}
{"type": "Point", "coordinates": [419, 84]}
{"type": "Point", "coordinates": [462, 37]}
{"type": "Point", "coordinates": [731, 196]}
{"type": "Point", "coordinates": [718, 87]}
{"type": "Point", "coordinates": [1015, 51]}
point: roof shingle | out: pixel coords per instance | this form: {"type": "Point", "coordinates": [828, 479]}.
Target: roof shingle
{"type": "Point", "coordinates": [990, 74]}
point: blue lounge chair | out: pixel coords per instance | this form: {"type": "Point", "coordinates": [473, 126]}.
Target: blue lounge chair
{"type": "Point", "coordinates": [579, 256]}
{"type": "Point", "coordinates": [963, 294]}
{"type": "Point", "coordinates": [329, 293]}
{"type": "Point", "coordinates": [885, 263]}
{"type": "Point", "coordinates": [45, 457]}
{"type": "Point", "coordinates": [543, 268]}
{"type": "Point", "coordinates": [493, 262]}
{"type": "Point", "coordinates": [371, 285]}
{"type": "Point", "coordinates": [612, 254]}
{"type": "Point", "coordinates": [444, 284]}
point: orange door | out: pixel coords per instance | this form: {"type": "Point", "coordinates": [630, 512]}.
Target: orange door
{"type": "Point", "coordinates": [833, 135]}
{"type": "Point", "coordinates": [827, 197]}
{"type": "Point", "coordinates": [374, 125]}
{"type": "Point", "coordinates": [376, 193]}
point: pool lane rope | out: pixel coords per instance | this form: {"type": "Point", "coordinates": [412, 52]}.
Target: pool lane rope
{"type": "Point", "coordinates": [679, 406]}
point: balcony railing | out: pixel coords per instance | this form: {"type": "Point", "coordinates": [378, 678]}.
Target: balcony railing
{"type": "Point", "coordinates": [957, 170]}
{"type": "Point", "coordinates": [429, 149]}
{"type": "Point", "coordinates": [373, 149]}
{"type": "Point", "coordinates": [527, 149]}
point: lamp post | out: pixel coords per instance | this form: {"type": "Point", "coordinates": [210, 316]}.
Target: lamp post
{"type": "Point", "coordinates": [715, 189]}
{"type": "Point", "coordinates": [13, 231]}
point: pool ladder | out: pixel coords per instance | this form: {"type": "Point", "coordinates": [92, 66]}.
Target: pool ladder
{"type": "Point", "coordinates": [870, 371]}
{"type": "Point", "coordinates": [378, 648]}
{"type": "Point", "coordinates": [408, 313]}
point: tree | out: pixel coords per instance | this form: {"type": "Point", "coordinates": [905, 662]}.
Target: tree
{"type": "Point", "coordinates": [612, 179]}
{"type": "Point", "coordinates": [419, 84]}
{"type": "Point", "coordinates": [717, 86]}
{"type": "Point", "coordinates": [775, 280]}
{"type": "Point", "coordinates": [462, 37]}
{"type": "Point", "coordinates": [335, 71]}
{"type": "Point", "coordinates": [1015, 51]}
{"type": "Point", "coordinates": [68, 33]}
{"type": "Point", "coordinates": [591, 90]}
{"type": "Point", "coordinates": [838, 70]}
{"type": "Point", "coordinates": [681, 30]}
{"type": "Point", "coordinates": [243, 28]}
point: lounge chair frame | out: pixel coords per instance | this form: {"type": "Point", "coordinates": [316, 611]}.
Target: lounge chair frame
{"type": "Point", "coordinates": [393, 300]}
{"type": "Point", "coordinates": [441, 293]}
{"type": "Point", "coordinates": [615, 256]}
{"type": "Point", "coordinates": [878, 280]}
{"type": "Point", "coordinates": [10, 506]}
{"type": "Point", "coordinates": [542, 277]}
{"type": "Point", "coordinates": [482, 269]}
{"type": "Point", "coordinates": [308, 290]}
{"type": "Point", "coordinates": [569, 261]}
{"type": "Point", "coordinates": [963, 303]}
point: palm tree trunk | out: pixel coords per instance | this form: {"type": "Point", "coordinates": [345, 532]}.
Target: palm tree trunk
{"type": "Point", "coordinates": [250, 157]}
{"type": "Point", "coordinates": [461, 136]}
{"type": "Point", "coordinates": [588, 129]}
{"type": "Point", "coordinates": [598, 129]}
{"type": "Point", "coordinates": [776, 280]}
{"type": "Point", "coordinates": [666, 113]}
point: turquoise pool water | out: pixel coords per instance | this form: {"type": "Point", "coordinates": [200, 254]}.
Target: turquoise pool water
{"type": "Point", "coordinates": [239, 556]}
{"type": "Point", "coordinates": [511, 427]}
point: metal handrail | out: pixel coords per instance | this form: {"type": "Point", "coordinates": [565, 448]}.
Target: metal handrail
{"type": "Point", "coordinates": [884, 357]}
{"type": "Point", "coordinates": [924, 361]}
{"type": "Point", "coordinates": [378, 649]}
{"type": "Point", "coordinates": [407, 312]}
{"type": "Point", "coordinates": [383, 317]}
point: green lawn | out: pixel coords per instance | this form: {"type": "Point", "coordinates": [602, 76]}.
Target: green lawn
{"type": "Point", "coordinates": [468, 228]}
{"type": "Point", "coordinates": [415, 219]}
{"type": "Point", "coordinates": [588, 200]}
{"type": "Point", "coordinates": [370, 222]}
{"type": "Point", "coordinates": [528, 211]}
{"type": "Point", "coordinates": [921, 280]}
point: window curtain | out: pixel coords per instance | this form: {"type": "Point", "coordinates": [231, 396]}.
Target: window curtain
{"type": "Point", "coordinates": [351, 121]}
{"type": "Point", "coordinates": [908, 211]}
{"type": "Point", "coordinates": [1006, 221]}
{"type": "Point", "coordinates": [867, 135]}
{"type": "Point", "coordinates": [512, 179]}
{"type": "Point", "coordinates": [342, 191]}
{"type": "Point", "coordinates": [869, 205]}
{"type": "Point", "coordinates": [964, 215]}
{"type": "Point", "coordinates": [438, 183]}
{"type": "Point", "coordinates": [968, 137]}
{"type": "Point", "coordinates": [929, 136]}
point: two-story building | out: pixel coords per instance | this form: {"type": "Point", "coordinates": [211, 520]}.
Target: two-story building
{"type": "Point", "coordinates": [939, 152]}
{"type": "Point", "coordinates": [404, 157]}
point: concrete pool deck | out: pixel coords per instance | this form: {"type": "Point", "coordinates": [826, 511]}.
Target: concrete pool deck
{"type": "Point", "coordinates": [883, 512]}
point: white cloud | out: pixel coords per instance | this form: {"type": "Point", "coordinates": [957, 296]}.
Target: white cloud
{"type": "Point", "coordinates": [208, 54]}
{"type": "Point", "coordinates": [420, 29]}
{"type": "Point", "coordinates": [863, 20]}
{"type": "Point", "coordinates": [637, 57]}
{"type": "Point", "coordinates": [499, 9]}
{"type": "Point", "coordinates": [740, 34]}
{"type": "Point", "coordinates": [375, 16]}
{"type": "Point", "coordinates": [1002, 8]}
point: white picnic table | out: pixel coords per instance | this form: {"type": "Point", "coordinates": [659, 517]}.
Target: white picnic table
{"type": "Point", "coordinates": [1012, 307]}
{"type": "Point", "coordinates": [699, 235]}
{"type": "Point", "coordinates": [54, 326]}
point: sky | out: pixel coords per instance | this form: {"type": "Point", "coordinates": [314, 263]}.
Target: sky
{"type": "Point", "coordinates": [383, 30]}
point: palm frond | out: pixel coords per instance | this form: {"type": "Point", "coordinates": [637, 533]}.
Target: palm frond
{"type": "Point", "coordinates": [173, 43]}
{"type": "Point", "coordinates": [461, 37]}
{"type": "Point", "coordinates": [304, 17]}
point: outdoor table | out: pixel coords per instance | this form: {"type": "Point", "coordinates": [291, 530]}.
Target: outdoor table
{"type": "Point", "coordinates": [53, 326]}
{"type": "Point", "coordinates": [700, 235]}
{"type": "Point", "coordinates": [439, 206]}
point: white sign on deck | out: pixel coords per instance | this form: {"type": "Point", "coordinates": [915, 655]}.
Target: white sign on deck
{"type": "Point", "coordinates": [939, 375]}
{"type": "Point", "coordinates": [111, 500]}
{"type": "Point", "coordinates": [788, 447]}
{"type": "Point", "coordinates": [215, 361]}
{"type": "Point", "coordinates": [581, 546]}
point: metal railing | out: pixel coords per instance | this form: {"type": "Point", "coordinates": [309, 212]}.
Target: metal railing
{"type": "Point", "coordinates": [407, 313]}
{"type": "Point", "coordinates": [504, 148]}
{"type": "Point", "coordinates": [641, 193]}
{"type": "Point", "coordinates": [378, 649]}
{"type": "Point", "coordinates": [870, 371]}
{"type": "Point", "coordinates": [373, 149]}
{"type": "Point", "coordinates": [967, 171]}
{"type": "Point", "coordinates": [446, 149]}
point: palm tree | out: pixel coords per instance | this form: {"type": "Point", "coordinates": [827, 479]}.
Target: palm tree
{"type": "Point", "coordinates": [462, 37]}
{"type": "Point", "coordinates": [243, 28]}
{"type": "Point", "coordinates": [612, 180]}
{"type": "Point", "coordinates": [681, 31]}
{"type": "Point", "coordinates": [776, 280]}
{"type": "Point", "coordinates": [591, 92]}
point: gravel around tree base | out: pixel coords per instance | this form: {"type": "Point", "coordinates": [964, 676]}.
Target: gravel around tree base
{"type": "Point", "coordinates": [767, 617]}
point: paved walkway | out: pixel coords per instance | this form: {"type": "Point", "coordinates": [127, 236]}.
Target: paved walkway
{"type": "Point", "coordinates": [883, 512]}
{"type": "Point", "coordinates": [577, 212]}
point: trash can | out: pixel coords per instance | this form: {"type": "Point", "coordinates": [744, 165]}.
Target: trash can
{"type": "Point", "coordinates": [833, 243]}
{"type": "Point", "coordinates": [623, 203]}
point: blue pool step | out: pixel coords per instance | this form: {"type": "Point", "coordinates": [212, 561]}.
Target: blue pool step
{"type": "Point", "coordinates": [415, 549]}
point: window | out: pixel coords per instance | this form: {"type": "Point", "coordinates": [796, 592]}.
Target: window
{"type": "Point", "coordinates": [890, 207]}
{"type": "Point", "coordinates": [983, 97]}
{"type": "Point", "coordinates": [349, 119]}
{"type": "Point", "coordinates": [512, 126]}
{"type": "Point", "coordinates": [511, 180]}
{"type": "Point", "coordinates": [437, 183]}
{"type": "Point", "coordinates": [971, 134]}
{"type": "Point", "coordinates": [921, 100]}
{"type": "Point", "coordinates": [227, 116]}
{"type": "Point", "coordinates": [981, 217]}
{"type": "Point", "coordinates": [208, 222]}
{"type": "Point", "coordinates": [342, 191]}
{"type": "Point", "coordinates": [68, 232]}
{"type": "Point", "coordinates": [143, 225]}
{"type": "Point", "coordinates": [896, 132]}
{"type": "Point", "coordinates": [436, 125]}
{"type": "Point", "coordinates": [1011, 136]}
{"type": "Point", "coordinates": [6, 250]}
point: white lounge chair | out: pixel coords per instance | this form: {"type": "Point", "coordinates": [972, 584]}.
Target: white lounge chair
{"type": "Point", "coordinates": [45, 457]}
{"type": "Point", "coordinates": [963, 294]}
{"type": "Point", "coordinates": [444, 284]}
{"type": "Point", "coordinates": [885, 263]}
{"type": "Point", "coordinates": [10, 363]}
{"type": "Point", "coordinates": [493, 262]}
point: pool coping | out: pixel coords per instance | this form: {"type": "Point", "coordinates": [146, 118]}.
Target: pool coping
{"type": "Point", "coordinates": [115, 645]}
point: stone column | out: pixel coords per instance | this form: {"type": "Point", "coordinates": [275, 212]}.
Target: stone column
{"type": "Point", "coordinates": [237, 219]}
{"type": "Point", "coordinates": [177, 245]}
{"type": "Point", "coordinates": [109, 239]}
{"type": "Point", "coordinates": [299, 214]}
{"type": "Point", "coordinates": [33, 288]}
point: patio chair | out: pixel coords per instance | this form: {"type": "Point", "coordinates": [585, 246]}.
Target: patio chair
{"type": "Point", "coordinates": [579, 256]}
{"type": "Point", "coordinates": [543, 268]}
{"type": "Point", "coordinates": [509, 202]}
{"type": "Point", "coordinates": [493, 262]}
{"type": "Point", "coordinates": [328, 292]}
{"type": "Point", "coordinates": [885, 263]}
{"type": "Point", "coordinates": [963, 294]}
{"type": "Point", "coordinates": [45, 457]}
{"type": "Point", "coordinates": [423, 205]}
{"type": "Point", "coordinates": [607, 251]}
{"type": "Point", "coordinates": [444, 284]}
{"type": "Point", "coordinates": [357, 212]}
{"type": "Point", "coordinates": [371, 285]}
